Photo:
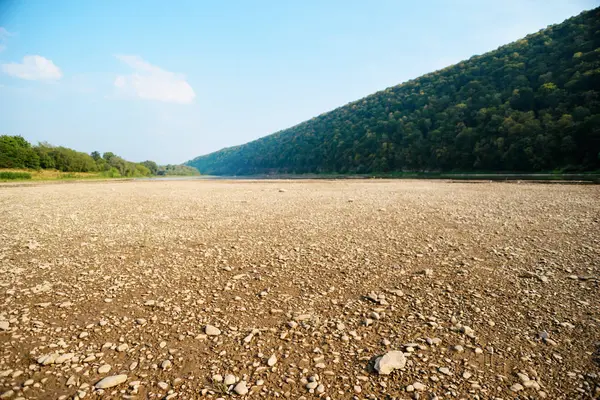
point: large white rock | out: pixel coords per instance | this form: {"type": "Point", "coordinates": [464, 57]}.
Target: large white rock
{"type": "Point", "coordinates": [111, 381]}
{"type": "Point", "coordinates": [389, 362]}
{"type": "Point", "coordinates": [4, 325]}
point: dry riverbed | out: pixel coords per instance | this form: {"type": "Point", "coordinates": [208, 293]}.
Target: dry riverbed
{"type": "Point", "coordinates": [216, 289]}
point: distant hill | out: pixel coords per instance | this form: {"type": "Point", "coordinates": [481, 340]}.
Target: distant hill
{"type": "Point", "coordinates": [532, 105]}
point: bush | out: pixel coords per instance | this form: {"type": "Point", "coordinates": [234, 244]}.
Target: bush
{"type": "Point", "coordinates": [6, 175]}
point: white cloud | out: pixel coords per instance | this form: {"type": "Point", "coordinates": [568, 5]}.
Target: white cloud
{"type": "Point", "coordinates": [33, 68]}
{"type": "Point", "coordinates": [150, 82]}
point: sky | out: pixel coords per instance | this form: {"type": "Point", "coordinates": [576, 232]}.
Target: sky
{"type": "Point", "coordinates": [172, 80]}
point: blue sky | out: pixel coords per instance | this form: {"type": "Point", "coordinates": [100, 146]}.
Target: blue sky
{"type": "Point", "coordinates": [169, 81]}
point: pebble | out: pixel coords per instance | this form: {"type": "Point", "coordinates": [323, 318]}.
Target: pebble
{"type": "Point", "coordinates": [111, 381]}
{"type": "Point", "coordinates": [390, 361]}
{"type": "Point", "coordinates": [212, 330]}
{"type": "Point", "coordinates": [64, 358]}
{"type": "Point", "coordinates": [229, 379]}
{"type": "Point", "coordinates": [104, 369]}
{"type": "Point", "coordinates": [517, 387]}
{"type": "Point", "coordinates": [241, 388]}
{"type": "Point", "coordinates": [272, 360]}
{"type": "Point", "coordinates": [458, 348]}
{"type": "Point", "coordinates": [4, 325]}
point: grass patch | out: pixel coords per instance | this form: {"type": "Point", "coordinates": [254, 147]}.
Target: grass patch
{"type": "Point", "coordinates": [10, 175]}
{"type": "Point", "coordinates": [46, 175]}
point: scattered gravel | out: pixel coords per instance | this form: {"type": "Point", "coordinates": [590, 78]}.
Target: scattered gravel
{"type": "Point", "coordinates": [223, 289]}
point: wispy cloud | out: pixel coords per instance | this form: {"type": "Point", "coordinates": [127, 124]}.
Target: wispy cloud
{"type": "Point", "coordinates": [4, 34]}
{"type": "Point", "coordinates": [150, 82]}
{"type": "Point", "coordinates": [33, 68]}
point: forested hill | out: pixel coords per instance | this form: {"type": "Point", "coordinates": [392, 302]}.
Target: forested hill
{"type": "Point", "coordinates": [18, 153]}
{"type": "Point", "coordinates": [532, 105]}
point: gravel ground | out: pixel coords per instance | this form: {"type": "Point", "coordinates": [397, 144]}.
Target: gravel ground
{"type": "Point", "coordinates": [231, 289]}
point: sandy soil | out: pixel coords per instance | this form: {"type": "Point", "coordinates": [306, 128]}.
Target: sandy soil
{"type": "Point", "coordinates": [488, 290]}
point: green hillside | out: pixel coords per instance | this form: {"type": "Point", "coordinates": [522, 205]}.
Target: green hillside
{"type": "Point", "coordinates": [532, 105]}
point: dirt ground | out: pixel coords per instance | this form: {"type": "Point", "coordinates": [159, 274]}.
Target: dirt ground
{"type": "Point", "coordinates": [292, 289]}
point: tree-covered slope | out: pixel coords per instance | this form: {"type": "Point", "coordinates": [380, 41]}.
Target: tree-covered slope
{"type": "Point", "coordinates": [532, 105]}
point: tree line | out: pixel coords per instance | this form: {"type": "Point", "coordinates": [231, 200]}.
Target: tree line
{"type": "Point", "coordinates": [532, 105]}
{"type": "Point", "coordinates": [18, 153]}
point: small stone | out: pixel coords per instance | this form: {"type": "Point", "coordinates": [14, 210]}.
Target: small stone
{"type": "Point", "coordinates": [212, 330]}
{"type": "Point", "coordinates": [4, 325]}
{"type": "Point", "coordinates": [163, 385]}
{"type": "Point", "coordinates": [458, 348]}
{"type": "Point", "coordinates": [312, 385]}
{"type": "Point", "coordinates": [48, 359]}
{"type": "Point", "coordinates": [418, 386]}
{"type": "Point", "coordinates": [229, 379]}
{"type": "Point", "coordinates": [467, 331]}
{"type": "Point", "coordinates": [7, 394]}
{"type": "Point", "coordinates": [516, 387]}
{"type": "Point", "coordinates": [445, 371]}
{"type": "Point", "coordinates": [104, 369]}
{"type": "Point", "coordinates": [241, 388]}
{"type": "Point", "coordinates": [166, 364]}
{"type": "Point", "coordinates": [111, 381]}
{"type": "Point", "coordinates": [272, 360]}
{"type": "Point", "coordinates": [64, 358]}
{"type": "Point", "coordinates": [389, 362]}
{"type": "Point", "coordinates": [467, 375]}
{"type": "Point", "coordinates": [122, 347]}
